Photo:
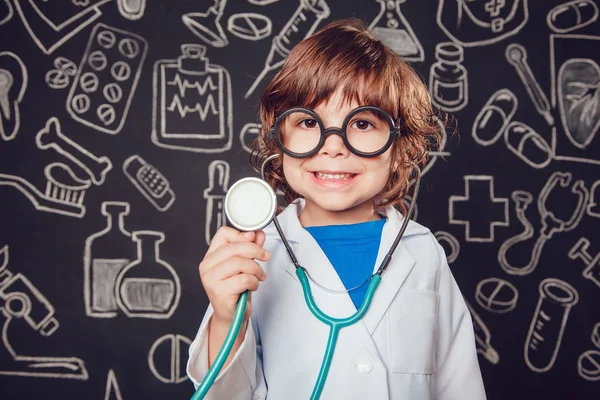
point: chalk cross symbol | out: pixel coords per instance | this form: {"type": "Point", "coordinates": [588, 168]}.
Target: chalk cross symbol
{"type": "Point", "coordinates": [479, 210]}
{"type": "Point", "coordinates": [493, 7]}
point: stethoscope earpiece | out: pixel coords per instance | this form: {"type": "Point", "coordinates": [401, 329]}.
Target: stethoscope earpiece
{"type": "Point", "coordinates": [250, 204]}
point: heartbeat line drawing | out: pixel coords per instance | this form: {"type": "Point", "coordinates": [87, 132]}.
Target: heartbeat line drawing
{"type": "Point", "coordinates": [185, 84]}
{"type": "Point", "coordinates": [184, 110]}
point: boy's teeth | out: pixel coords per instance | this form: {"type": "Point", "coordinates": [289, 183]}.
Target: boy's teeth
{"type": "Point", "coordinates": [322, 175]}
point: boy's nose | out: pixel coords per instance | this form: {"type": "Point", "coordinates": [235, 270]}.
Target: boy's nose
{"type": "Point", "coordinates": [334, 146]}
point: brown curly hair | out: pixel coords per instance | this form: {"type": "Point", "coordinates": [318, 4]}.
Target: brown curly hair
{"type": "Point", "coordinates": [345, 54]}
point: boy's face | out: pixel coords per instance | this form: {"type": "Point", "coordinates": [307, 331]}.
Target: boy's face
{"type": "Point", "coordinates": [328, 199]}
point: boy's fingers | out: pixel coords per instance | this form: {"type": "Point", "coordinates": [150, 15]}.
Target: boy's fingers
{"type": "Point", "coordinates": [227, 234]}
{"type": "Point", "coordinates": [245, 250]}
{"type": "Point", "coordinates": [238, 265]}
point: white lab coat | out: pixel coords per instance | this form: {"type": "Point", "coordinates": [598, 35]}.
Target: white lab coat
{"type": "Point", "coordinates": [416, 341]}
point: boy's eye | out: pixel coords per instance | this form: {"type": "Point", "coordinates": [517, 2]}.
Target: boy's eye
{"type": "Point", "coordinates": [361, 125]}
{"type": "Point", "coordinates": [308, 123]}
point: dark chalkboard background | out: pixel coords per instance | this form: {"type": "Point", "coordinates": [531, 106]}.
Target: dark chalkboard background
{"type": "Point", "coordinates": [465, 196]}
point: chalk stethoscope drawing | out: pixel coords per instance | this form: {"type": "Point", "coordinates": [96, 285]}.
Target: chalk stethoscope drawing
{"type": "Point", "coordinates": [588, 365]}
{"type": "Point", "coordinates": [149, 182]}
{"type": "Point", "coordinates": [496, 295]}
{"type": "Point", "coordinates": [50, 24]}
{"type": "Point", "coordinates": [572, 15]}
{"type": "Point", "coordinates": [13, 84]}
{"type": "Point", "coordinates": [132, 9]}
{"type": "Point", "coordinates": [301, 24]}
{"type": "Point", "coordinates": [60, 76]}
{"type": "Point", "coordinates": [494, 117]}
{"type": "Point", "coordinates": [552, 222]}
{"type": "Point", "coordinates": [19, 298]}
{"type": "Point", "coordinates": [592, 264]}
{"type": "Point", "coordinates": [218, 185]}
{"type": "Point", "coordinates": [248, 134]}
{"type": "Point", "coordinates": [6, 13]}
{"type": "Point", "coordinates": [207, 25]}
{"type": "Point", "coordinates": [478, 230]}
{"type": "Point", "coordinates": [249, 26]}
{"type": "Point", "coordinates": [548, 323]}
{"type": "Point", "coordinates": [112, 390]}
{"type": "Point", "coordinates": [175, 346]}
{"type": "Point", "coordinates": [593, 209]}
{"type": "Point", "coordinates": [448, 78]}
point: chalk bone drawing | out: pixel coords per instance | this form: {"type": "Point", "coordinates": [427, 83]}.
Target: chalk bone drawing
{"type": "Point", "coordinates": [19, 298]}
{"type": "Point", "coordinates": [52, 23]}
{"type": "Point", "coordinates": [496, 295]}
{"type": "Point", "coordinates": [548, 323]}
{"type": "Point", "coordinates": [112, 391]}
{"type": "Point", "coordinates": [481, 23]}
{"type": "Point", "coordinates": [218, 184]}
{"type": "Point", "coordinates": [107, 77]}
{"type": "Point", "coordinates": [249, 26]}
{"type": "Point", "coordinates": [207, 25]}
{"type": "Point", "coordinates": [572, 15]}
{"type": "Point", "coordinates": [172, 370]}
{"type": "Point", "coordinates": [480, 212]}
{"type": "Point", "coordinates": [192, 103]}
{"type": "Point", "coordinates": [13, 83]}
{"type": "Point", "coordinates": [150, 182]}
{"type": "Point", "coordinates": [592, 270]}
{"type": "Point", "coordinates": [132, 9]}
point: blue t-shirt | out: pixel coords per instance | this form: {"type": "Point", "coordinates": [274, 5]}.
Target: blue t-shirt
{"type": "Point", "coordinates": [352, 250]}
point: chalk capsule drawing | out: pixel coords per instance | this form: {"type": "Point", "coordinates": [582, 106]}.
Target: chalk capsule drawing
{"type": "Point", "coordinates": [572, 15]}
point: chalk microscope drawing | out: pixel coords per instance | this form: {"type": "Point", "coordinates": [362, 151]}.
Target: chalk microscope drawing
{"type": "Point", "coordinates": [150, 182]}
{"type": "Point", "coordinates": [301, 24]}
{"type": "Point", "coordinates": [207, 25]}
{"type": "Point", "coordinates": [132, 9]}
{"type": "Point", "coordinates": [448, 78]}
{"type": "Point", "coordinates": [481, 22]}
{"type": "Point", "coordinates": [249, 26]}
{"type": "Point", "coordinates": [51, 23]}
{"type": "Point", "coordinates": [548, 323]}
{"type": "Point", "coordinates": [19, 298]}
{"type": "Point", "coordinates": [13, 84]}
{"type": "Point", "coordinates": [459, 209]}
{"type": "Point", "coordinates": [218, 184]}
{"type": "Point", "coordinates": [552, 222]}
{"type": "Point", "coordinates": [177, 347]}
{"type": "Point", "coordinates": [593, 209]}
{"type": "Point", "coordinates": [107, 77]}
{"type": "Point", "coordinates": [592, 264]}
{"type": "Point", "coordinates": [496, 295]}
{"type": "Point", "coordinates": [60, 76]}
{"type": "Point", "coordinates": [572, 15]}
{"type": "Point", "coordinates": [112, 391]}
{"type": "Point", "coordinates": [494, 117]}
{"type": "Point", "coordinates": [6, 11]}
{"type": "Point", "coordinates": [192, 103]}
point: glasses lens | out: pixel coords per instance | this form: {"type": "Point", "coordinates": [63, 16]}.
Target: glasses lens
{"type": "Point", "coordinates": [299, 132]}
{"type": "Point", "coordinates": [368, 131]}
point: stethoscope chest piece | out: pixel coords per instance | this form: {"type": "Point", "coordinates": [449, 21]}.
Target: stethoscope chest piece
{"type": "Point", "coordinates": [250, 204]}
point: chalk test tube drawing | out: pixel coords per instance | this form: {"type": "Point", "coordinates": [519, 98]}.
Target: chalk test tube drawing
{"type": "Point", "coordinates": [593, 209]}
{"type": "Point", "coordinates": [248, 134]}
{"type": "Point", "coordinates": [6, 11]}
{"type": "Point", "coordinates": [448, 81]}
{"type": "Point", "coordinates": [301, 24]}
{"type": "Point", "coordinates": [150, 182]}
{"type": "Point", "coordinates": [132, 9]}
{"type": "Point", "coordinates": [477, 227]}
{"type": "Point", "coordinates": [548, 324]}
{"type": "Point", "coordinates": [177, 347]}
{"type": "Point", "coordinates": [52, 137]}
{"type": "Point", "coordinates": [552, 222]}
{"type": "Point", "coordinates": [449, 239]}
{"type": "Point", "coordinates": [483, 337]}
{"type": "Point", "coordinates": [105, 255]}
{"type": "Point", "coordinates": [494, 117]}
{"type": "Point", "coordinates": [218, 184]}
{"type": "Point", "coordinates": [19, 298]}
{"type": "Point", "coordinates": [588, 365]}
{"type": "Point", "coordinates": [112, 391]}
{"type": "Point", "coordinates": [528, 145]}
{"type": "Point", "coordinates": [249, 26]}
{"type": "Point", "coordinates": [572, 15]}
{"type": "Point", "coordinates": [517, 57]}
{"type": "Point", "coordinates": [148, 287]}
{"type": "Point", "coordinates": [50, 24]}
{"type": "Point", "coordinates": [13, 83]}
{"type": "Point", "coordinates": [592, 270]}
{"type": "Point", "coordinates": [393, 29]}
{"type": "Point", "coordinates": [107, 77]}
{"type": "Point", "coordinates": [60, 76]}
{"type": "Point", "coordinates": [192, 103]}
{"type": "Point", "coordinates": [481, 23]}
{"type": "Point", "coordinates": [496, 295]}
{"type": "Point", "coordinates": [207, 25]}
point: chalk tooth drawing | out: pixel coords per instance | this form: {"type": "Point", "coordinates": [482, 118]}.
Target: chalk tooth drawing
{"type": "Point", "coordinates": [60, 76]}
{"type": "Point", "coordinates": [551, 222]}
{"type": "Point", "coordinates": [19, 298]}
{"type": "Point", "coordinates": [517, 57]}
{"type": "Point", "coordinates": [114, 58]}
{"type": "Point", "coordinates": [549, 320]}
{"type": "Point", "coordinates": [524, 142]}
{"type": "Point", "coordinates": [481, 23]}
{"type": "Point", "coordinates": [148, 287]}
{"type": "Point", "coordinates": [249, 26]}
{"type": "Point", "coordinates": [496, 295]}
{"type": "Point", "coordinates": [105, 255]}
{"type": "Point", "coordinates": [580, 251]}
{"type": "Point", "coordinates": [588, 365]}
{"type": "Point", "coordinates": [494, 117]}
{"type": "Point", "coordinates": [218, 184]}
{"type": "Point", "coordinates": [207, 25]}
{"type": "Point", "coordinates": [448, 80]}
{"type": "Point", "coordinates": [301, 24]}
{"type": "Point", "coordinates": [393, 29]}
{"type": "Point", "coordinates": [248, 134]}
{"type": "Point", "coordinates": [50, 23]}
{"type": "Point", "coordinates": [52, 137]}
{"type": "Point", "coordinates": [177, 347]}
{"type": "Point", "coordinates": [6, 11]}
{"type": "Point", "coordinates": [132, 9]}
{"type": "Point", "coordinates": [192, 103]}
{"type": "Point", "coordinates": [459, 209]}
{"type": "Point", "coordinates": [112, 391]}
{"type": "Point", "coordinates": [483, 337]}
{"type": "Point", "coordinates": [452, 242]}
{"type": "Point", "coordinates": [150, 182]}
{"type": "Point", "coordinates": [572, 15]}
{"type": "Point", "coordinates": [13, 83]}
{"type": "Point", "coordinates": [593, 209]}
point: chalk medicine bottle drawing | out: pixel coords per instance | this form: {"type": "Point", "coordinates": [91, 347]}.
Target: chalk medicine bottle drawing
{"type": "Point", "coordinates": [106, 253]}
{"type": "Point", "coordinates": [192, 103]}
{"type": "Point", "coordinates": [148, 287]}
{"type": "Point", "coordinates": [448, 78]}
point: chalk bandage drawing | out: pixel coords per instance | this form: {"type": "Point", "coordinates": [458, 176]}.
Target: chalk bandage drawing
{"type": "Point", "coordinates": [150, 182]}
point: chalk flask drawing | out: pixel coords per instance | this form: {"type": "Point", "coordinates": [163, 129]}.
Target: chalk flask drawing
{"type": "Point", "coordinates": [107, 252]}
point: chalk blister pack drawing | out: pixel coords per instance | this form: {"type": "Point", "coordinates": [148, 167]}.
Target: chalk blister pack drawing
{"type": "Point", "coordinates": [192, 103]}
{"type": "Point", "coordinates": [13, 83]}
{"type": "Point", "coordinates": [172, 370]}
{"type": "Point", "coordinates": [107, 78]}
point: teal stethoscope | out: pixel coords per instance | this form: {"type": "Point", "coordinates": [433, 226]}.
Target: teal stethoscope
{"type": "Point", "coordinates": [250, 204]}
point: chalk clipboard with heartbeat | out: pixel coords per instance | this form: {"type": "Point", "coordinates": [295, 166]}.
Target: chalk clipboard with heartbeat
{"type": "Point", "coordinates": [192, 103]}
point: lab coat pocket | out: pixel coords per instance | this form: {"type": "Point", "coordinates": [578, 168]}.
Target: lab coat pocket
{"type": "Point", "coordinates": [413, 331]}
